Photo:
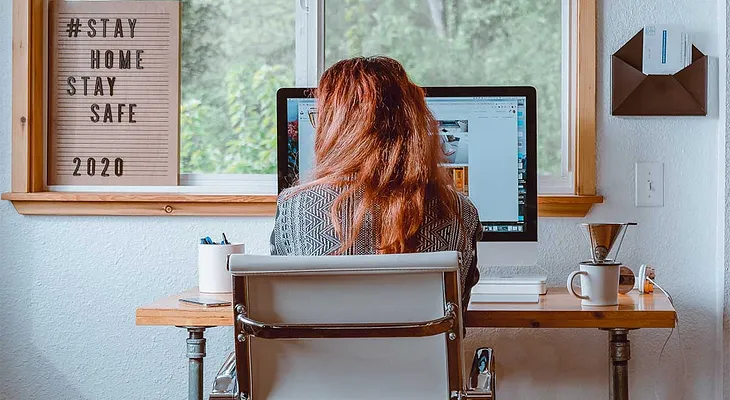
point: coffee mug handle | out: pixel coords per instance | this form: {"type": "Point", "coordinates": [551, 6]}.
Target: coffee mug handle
{"type": "Point", "coordinates": [570, 284]}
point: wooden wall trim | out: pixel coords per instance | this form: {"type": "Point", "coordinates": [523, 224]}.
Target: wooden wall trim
{"type": "Point", "coordinates": [27, 155]}
{"type": "Point", "coordinates": [36, 85]}
{"type": "Point", "coordinates": [585, 119]}
{"type": "Point", "coordinates": [566, 206]}
{"type": "Point", "coordinates": [20, 147]}
{"type": "Point", "coordinates": [64, 203]}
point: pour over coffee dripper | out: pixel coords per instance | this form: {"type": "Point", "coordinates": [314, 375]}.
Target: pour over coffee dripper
{"type": "Point", "coordinates": [603, 238]}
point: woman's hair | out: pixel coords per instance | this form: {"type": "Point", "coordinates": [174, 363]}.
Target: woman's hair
{"type": "Point", "coordinates": [376, 137]}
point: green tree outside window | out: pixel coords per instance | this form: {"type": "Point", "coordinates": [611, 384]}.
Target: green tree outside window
{"type": "Point", "coordinates": [237, 53]}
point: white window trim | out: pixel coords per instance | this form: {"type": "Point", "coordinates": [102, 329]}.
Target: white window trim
{"type": "Point", "coordinates": [250, 184]}
{"type": "Point", "coordinates": [309, 61]}
{"type": "Point", "coordinates": [565, 184]}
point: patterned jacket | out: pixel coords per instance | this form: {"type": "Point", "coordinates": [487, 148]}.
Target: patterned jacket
{"type": "Point", "coordinates": [303, 227]}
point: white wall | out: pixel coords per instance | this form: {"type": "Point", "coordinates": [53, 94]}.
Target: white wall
{"type": "Point", "coordinates": [70, 284]}
{"type": "Point", "coordinates": [724, 204]}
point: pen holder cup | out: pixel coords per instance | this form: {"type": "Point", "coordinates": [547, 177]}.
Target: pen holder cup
{"type": "Point", "coordinates": [213, 277]}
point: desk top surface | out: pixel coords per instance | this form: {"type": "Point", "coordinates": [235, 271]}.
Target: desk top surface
{"type": "Point", "coordinates": [556, 309]}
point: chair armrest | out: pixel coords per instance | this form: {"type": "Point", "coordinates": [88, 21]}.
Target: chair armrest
{"type": "Point", "coordinates": [369, 330]}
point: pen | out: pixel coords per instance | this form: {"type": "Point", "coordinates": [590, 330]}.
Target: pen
{"type": "Point", "coordinates": [225, 239]}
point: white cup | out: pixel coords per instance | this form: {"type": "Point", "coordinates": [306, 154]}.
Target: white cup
{"type": "Point", "coordinates": [598, 284]}
{"type": "Point", "coordinates": [213, 276]}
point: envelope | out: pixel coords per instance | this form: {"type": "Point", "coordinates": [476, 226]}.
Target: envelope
{"type": "Point", "coordinates": [633, 93]}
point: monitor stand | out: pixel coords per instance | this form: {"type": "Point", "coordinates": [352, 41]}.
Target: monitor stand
{"type": "Point", "coordinates": [507, 254]}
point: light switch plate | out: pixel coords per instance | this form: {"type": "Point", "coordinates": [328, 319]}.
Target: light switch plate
{"type": "Point", "coordinates": [649, 184]}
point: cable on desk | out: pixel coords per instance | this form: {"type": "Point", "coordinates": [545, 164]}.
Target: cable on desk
{"type": "Point", "coordinates": [681, 345]}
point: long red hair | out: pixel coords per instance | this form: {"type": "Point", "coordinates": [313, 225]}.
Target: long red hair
{"type": "Point", "coordinates": [376, 137]}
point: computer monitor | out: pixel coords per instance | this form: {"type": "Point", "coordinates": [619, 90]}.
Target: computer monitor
{"type": "Point", "coordinates": [489, 137]}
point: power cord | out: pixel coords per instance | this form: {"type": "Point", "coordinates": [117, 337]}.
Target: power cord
{"type": "Point", "coordinates": [681, 345]}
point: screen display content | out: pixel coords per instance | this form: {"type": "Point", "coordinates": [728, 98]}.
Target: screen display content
{"type": "Point", "coordinates": [484, 140]}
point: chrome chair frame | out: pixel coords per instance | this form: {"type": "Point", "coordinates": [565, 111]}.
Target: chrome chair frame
{"type": "Point", "coordinates": [225, 385]}
{"type": "Point", "coordinates": [482, 379]}
{"type": "Point", "coordinates": [449, 325]}
{"type": "Point", "coordinates": [346, 331]}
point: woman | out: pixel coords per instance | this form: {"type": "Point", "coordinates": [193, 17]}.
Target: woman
{"type": "Point", "coordinates": [376, 186]}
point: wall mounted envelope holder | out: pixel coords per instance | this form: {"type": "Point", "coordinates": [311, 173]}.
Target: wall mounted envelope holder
{"type": "Point", "coordinates": [634, 93]}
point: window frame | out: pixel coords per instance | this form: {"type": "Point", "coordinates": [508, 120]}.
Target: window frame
{"type": "Point", "coordinates": [30, 195]}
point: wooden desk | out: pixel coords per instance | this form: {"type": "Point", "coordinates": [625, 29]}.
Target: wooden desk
{"type": "Point", "coordinates": [169, 311]}
{"type": "Point", "coordinates": [557, 309]}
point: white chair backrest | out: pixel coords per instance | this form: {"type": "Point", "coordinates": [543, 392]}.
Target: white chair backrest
{"type": "Point", "coordinates": [372, 289]}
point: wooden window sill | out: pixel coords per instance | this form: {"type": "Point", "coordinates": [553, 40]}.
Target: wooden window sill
{"type": "Point", "coordinates": [65, 203]}
{"type": "Point", "coordinates": [566, 205]}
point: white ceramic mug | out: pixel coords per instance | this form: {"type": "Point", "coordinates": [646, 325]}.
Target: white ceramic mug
{"type": "Point", "coordinates": [598, 284]}
{"type": "Point", "coordinates": [213, 275]}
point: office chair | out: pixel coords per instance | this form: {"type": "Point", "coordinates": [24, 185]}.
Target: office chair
{"type": "Point", "coordinates": [350, 327]}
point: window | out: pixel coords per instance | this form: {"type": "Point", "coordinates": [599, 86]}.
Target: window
{"type": "Point", "coordinates": [236, 53]}
{"type": "Point", "coordinates": [461, 42]}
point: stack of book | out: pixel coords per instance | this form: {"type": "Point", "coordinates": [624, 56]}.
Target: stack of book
{"type": "Point", "coordinates": [516, 289]}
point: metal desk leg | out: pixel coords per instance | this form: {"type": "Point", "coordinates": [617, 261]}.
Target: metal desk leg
{"type": "Point", "coordinates": [619, 350]}
{"type": "Point", "coordinates": [196, 352]}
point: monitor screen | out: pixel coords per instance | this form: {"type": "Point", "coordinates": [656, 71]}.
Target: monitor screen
{"type": "Point", "coordinates": [487, 137]}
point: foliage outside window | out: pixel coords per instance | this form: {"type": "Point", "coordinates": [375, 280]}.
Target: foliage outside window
{"type": "Point", "coordinates": [237, 53]}
{"type": "Point", "coordinates": [462, 42]}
